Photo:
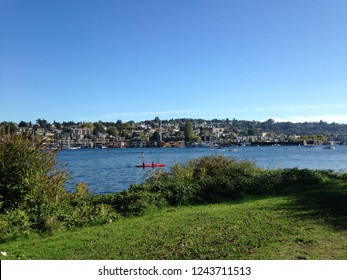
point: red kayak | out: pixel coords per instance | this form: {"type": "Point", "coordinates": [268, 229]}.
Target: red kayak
{"type": "Point", "coordinates": [151, 165]}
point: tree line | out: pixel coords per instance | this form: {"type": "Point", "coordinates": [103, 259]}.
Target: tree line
{"type": "Point", "coordinates": [242, 127]}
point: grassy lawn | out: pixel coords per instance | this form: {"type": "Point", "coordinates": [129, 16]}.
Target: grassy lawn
{"type": "Point", "coordinates": [310, 224]}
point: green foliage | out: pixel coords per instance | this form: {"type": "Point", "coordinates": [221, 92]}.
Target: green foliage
{"type": "Point", "coordinates": [13, 224]}
{"type": "Point", "coordinates": [156, 136]}
{"type": "Point", "coordinates": [220, 176]}
{"type": "Point", "coordinates": [176, 187]}
{"type": "Point", "coordinates": [189, 135]}
{"type": "Point", "coordinates": [113, 131]}
{"type": "Point", "coordinates": [136, 200]}
{"type": "Point", "coordinates": [29, 174]}
{"type": "Point", "coordinates": [33, 195]}
{"type": "Point", "coordinates": [81, 191]}
{"type": "Point", "coordinates": [302, 177]}
{"type": "Point", "coordinates": [214, 178]}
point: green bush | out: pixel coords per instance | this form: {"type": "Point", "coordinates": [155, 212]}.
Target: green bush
{"type": "Point", "coordinates": [301, 177]}
{"type": "Point", "coordinates": [29, 174]}
{"type": "Point", "coordinates": [222, 177]}
{"type": "Point", "coordinates": [33, 195]}
{"type": "Point", "coordinates": [176, 187]}
{"type": "Point", "coordinates": [13, 224]}
{"type": "Point", "coordinates": [136, 200]}
{"type": "Point", "coordinates": [216, 177]}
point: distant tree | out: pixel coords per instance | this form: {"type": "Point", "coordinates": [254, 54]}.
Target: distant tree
{"type": "Point", "coordinates": [130, 125]}
{"type": "Point", "coordinates": [44, 124]}
{"type": "Point", "coordinates": [57, 125]}
{"type": "Point", "coordinates": [119, 125]}
{"type": "Point", "coordinates": [9, 127]}
{"type": "Point", "coordinates": [88, 125]}
{"type": "Point", "coordinates": [203, 134]}
{"type": "Point", "coordinates": [189, 135]}
{"type": "Point", "coordinates": [157, 121]}
{"type": "Point", "coordinates": [69, 124]}
{"type": "Point", "coordinates": [23, 124]}
{"type": "Point", "coordinates": [250, 132]}
{"type": "Point", "coordinates": [113, 131]}
{"type": "Point", "coordinates": [156, 136]}
{"type": "Point", "coordinates": [98, 127]}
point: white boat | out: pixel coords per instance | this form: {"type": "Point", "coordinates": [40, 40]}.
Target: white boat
{"type": "Point", "coordinates": [329, 146]}
{"type": "Point", "coordinates": [69, 147]}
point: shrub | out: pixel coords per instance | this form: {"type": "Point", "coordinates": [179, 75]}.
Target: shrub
{"type": "Point", "coordinates": [301, 177]}
{"type": "Point", "coordinates": [216, 177]}
{"type": "Point", "coordinates": [70, 214]}
{"type": "Point", "coordinates": [136, 200]}
{"type": "Point", "coordinates": [222, 177]}
{"type": "Point", "coordinates": [33, 195]}
{"type": "Point", "coordinates": [176, 187]}
{"type": "Point", "coordinates": [29, 174]}
{"type": "Point", "coordinates": [13, 224]}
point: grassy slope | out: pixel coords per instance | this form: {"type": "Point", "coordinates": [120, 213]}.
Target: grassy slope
{"type": "Point", "coordinates": [309, 224]}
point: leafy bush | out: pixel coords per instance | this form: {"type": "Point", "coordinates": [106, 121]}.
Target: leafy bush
{"type": "Point", "coordinates": [33, 195]}
{"type": "Point", "coordinates": [176, 187]}
{"type": "Point", "coordinates": [301, 177]}
{"type": "Point", "coordinates": [13, 224]}
{"type": "Point", "coordinates": [216, 177]}
{"type": "Point", "coordinates": [136, 200]}
{"type": "Point", "coordinates": [222, 177]}
{"type": "Point", "coordinates": [29, 174]}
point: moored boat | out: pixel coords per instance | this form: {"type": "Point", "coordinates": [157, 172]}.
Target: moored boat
{"type": "Point", "coordinates": [329, 146]}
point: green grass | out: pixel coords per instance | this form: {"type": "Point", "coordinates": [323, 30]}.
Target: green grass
{"type": "Point", "coordinates": [305, 224]}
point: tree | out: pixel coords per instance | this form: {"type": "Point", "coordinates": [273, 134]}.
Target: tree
{"type": "Point", "coordinates": [156, 121]}
{"type": "Point", "coordinates": [57, 125]}
{"type": "Point", "coordinates": [130, 125]}
{"type": "Point", "coordinates": [155, 137]}
{"type": "Point", "coordinates": [119, 125]}
{"type": "Point", "coordinates": [23, 124]}
{"type": "Point", "coordinates": [88, 125]}
{"type": "Point", "coordinates": [203, 134]}
{"type": "Point", "coordinates": [113, 131]}
{"type": "Point", "coordinates": [189, 135]}
{"type": "Point", "coordinates": [98, 127]}
{"type": "Point", "coordinates": [250, 132]}
{"type": "Point", "coordinates": [9, 127]}
{"type": "Point", "coordinates": [44, 124]}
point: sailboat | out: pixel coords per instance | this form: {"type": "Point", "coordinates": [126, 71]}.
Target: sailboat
{"type": "Point", "coordinates": [153, 164]}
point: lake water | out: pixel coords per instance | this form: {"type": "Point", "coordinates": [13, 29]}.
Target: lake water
{"type": "Point", "coordinates": [113, 170]}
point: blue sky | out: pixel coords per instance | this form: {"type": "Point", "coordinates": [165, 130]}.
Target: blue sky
{"type": "Point", "coordinates": [84, 60]}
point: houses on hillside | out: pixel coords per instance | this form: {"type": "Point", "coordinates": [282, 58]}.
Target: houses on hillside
{"type": "Point", "coordinates": [166, 134]}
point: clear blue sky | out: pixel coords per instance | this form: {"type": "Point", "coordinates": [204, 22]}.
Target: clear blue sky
{"type": "Point", "coordinates": [135, 60]}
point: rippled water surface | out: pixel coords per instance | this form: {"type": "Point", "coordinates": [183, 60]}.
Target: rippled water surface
{"type": "Point", "coordinates": [112, 170]}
